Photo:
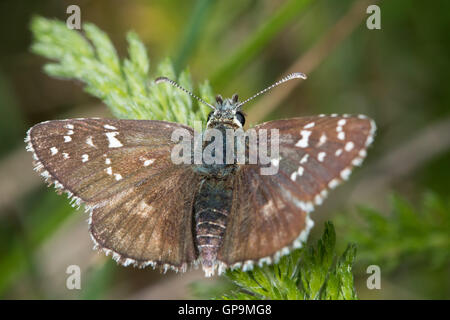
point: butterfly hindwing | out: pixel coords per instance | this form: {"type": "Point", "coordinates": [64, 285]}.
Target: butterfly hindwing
{"type": "Point", "coordinates": [122, 171]}
{"type": "Point", "coordinates": [263, 219]}
{"type": "Point", "coordinates": [150, 223]}
{"type": "Point", "coordinates": [270, 212]}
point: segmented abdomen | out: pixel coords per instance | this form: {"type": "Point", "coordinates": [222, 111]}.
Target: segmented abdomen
{"type": "Point", "coordinates": [212, 207]}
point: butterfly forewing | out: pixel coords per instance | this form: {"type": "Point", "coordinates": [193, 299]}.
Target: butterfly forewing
{"type": "Point", "coordinates": [270, 213]}
{"type": "Point", "coordinates": [317, 153]}
{"type": "Point", "coordinates": [122, 171]}
{"type": "Point", "coordinates": [94, 158]}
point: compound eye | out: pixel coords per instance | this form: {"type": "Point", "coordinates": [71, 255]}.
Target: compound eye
{"type": "Point", "coordinates": [240, 117]}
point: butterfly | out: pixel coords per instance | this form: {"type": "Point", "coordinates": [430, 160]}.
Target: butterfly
{"type": "Point", "coordinates": [145, 210]}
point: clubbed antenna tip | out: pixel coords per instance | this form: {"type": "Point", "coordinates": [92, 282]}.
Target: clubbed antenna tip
{"type": "Point", "coordinates": [298, 75]}
{"type": "Point", "coordinates": [295, 75]}
{"type": "Point", "coordinates": [162, 79]}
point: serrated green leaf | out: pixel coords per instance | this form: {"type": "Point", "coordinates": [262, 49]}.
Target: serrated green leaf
{"type": "Point", "coordinates": [124, 86]}
{"type": "Point", "coordinates": [308, 273]}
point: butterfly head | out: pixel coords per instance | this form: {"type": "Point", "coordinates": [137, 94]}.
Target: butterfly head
{"type": "Point", "coordinates": [226, 111]}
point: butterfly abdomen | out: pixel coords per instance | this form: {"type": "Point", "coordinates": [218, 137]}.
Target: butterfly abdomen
{"type": "Point", "coordinates": [212, 206]}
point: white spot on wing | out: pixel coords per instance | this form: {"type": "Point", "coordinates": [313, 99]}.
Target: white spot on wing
{"type": "Point", "coordinates": [148, 162]}
{"type": "Point", "coordinates": [349, 146]}
{"type": "Point", "coordinates": [67, 139]}
{"type": "Point", "coordinates": [107, 126]}
{"type": "Point", "coordinates": [318, 199]}
{"type": "Point", "coordinates": [322, 139]}
{"type": "Point", "coordinates": [321, 156]}
{"type": "Point", "coordinates": [109, 170]}
{"type": "Point", "coordinates": [345, 174]}
{"type": "Point", "coordinates": [297, 173]}
{"type": "Point", "coordinates": [309, 125]}
{"type": "Point", "coordinates": [303, 142]}
{"type": "Point", "coordinates": [90, 142]}
{"type": "Point", "coordinates": [373, 128]}
{"type": "Point", "coordinates": [304, 159]}
{"type": "Point", "coordinates": [53, 150]}
{"type": "Point", "coordinates": [294, 176]}
{"type": "Point", "coordinates": [363, 153]}
{"type": "Point", "coordinates": [118, 176]}
{"type": "Point", "coordinates": [339, 129]}
{"type": "Point", "coordinates": [357, 161]}
{"type": "Point", "coordinates": [333, 183]}
{"type": "Point", "coordinates": [113, 141]}
{"type": "Point", "coordinates": [84, 157]}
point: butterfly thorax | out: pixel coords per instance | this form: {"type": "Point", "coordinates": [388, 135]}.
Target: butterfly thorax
{"type": "Point", "coordinates": [222, 123]}
{"type": "Point", "coordinates": [213, 200]}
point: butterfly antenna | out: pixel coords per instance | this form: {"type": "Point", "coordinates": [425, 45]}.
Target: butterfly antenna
{"type": "Point", "coordinates": [295, 75]}
{"type": "Point", "coordinates": [164, 79]}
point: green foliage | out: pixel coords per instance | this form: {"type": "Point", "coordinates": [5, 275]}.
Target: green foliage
{"type": "Point", "coordinates": [404, 235]}
{"type": "Point", "coordinates": [193, 31]}
{"type": "Point", "coordinates": [287, 12]}
{"type": "Point", "coordinates": [305, 274]}
{"type": "Point", "coordinates": [206, 289]}
{"type": "Point", "coordinates": [100, 281]}
{"type": "Point", "coordinates": [123, 85]}
{"type": "Point", "coordinates": [45, 212]}
{"type": "Point", "coordinates": [11, 118]}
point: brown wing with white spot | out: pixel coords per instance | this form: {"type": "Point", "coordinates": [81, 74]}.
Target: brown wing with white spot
{"type": "Point", "coordinates": [269, 213]}
{"type": "Point", "coordinates": [96, 158]}
{"type": "Point", "coordinates": [122, 170]}
{"type": "Point", "coordinates": [317, 153]}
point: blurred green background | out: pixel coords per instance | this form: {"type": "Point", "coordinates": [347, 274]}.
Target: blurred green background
{"type": "Point", "coordinates": [396, 75]}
